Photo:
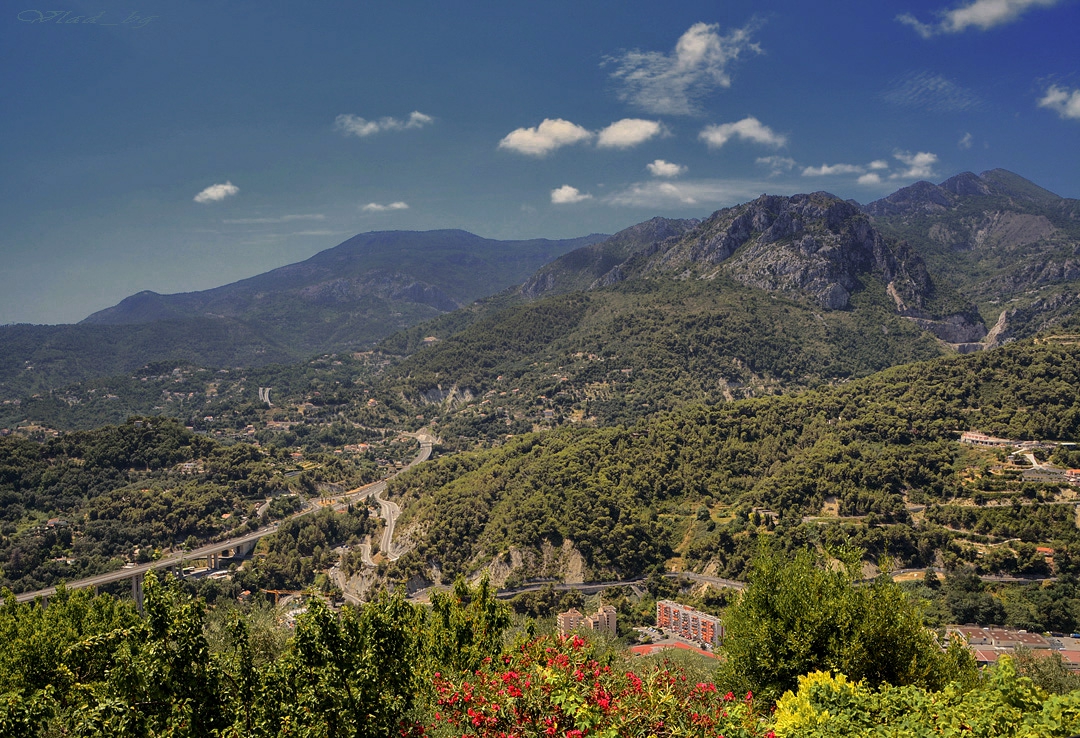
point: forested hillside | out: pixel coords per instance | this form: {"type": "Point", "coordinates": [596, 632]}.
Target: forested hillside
{"type": "Point", "coordinates": [86, 502]}
{"type": "Point", "coordinates": [615, 354]}
{"type": "Point", "coordinates": [684, 483]}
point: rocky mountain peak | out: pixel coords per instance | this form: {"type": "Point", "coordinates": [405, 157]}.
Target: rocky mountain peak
{"type": "Point", "coordinates": [967, 184]}
{"type": "Point", "coordinates": [813, 244]}
{"type": "Point", "coordinates": [925, 198]}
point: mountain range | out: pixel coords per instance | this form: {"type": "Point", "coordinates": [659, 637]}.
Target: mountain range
{"type": "Point", "coordinates": [341, 299]}
{"type": "Point", "coordinates": [974, 261]}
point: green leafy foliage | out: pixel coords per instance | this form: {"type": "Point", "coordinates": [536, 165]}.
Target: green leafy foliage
{"type": "Point", "coordinates": [625, 496]}
{"type": "Point", "coordinates": [91, 666]}
{"type": "Point", "coordinates": [75, 504]}
{"type": "Point", "coordinates": [1004, 704]}
{"type": "Point", "coordinates": [803, 614]}
{"type": "Point", "coordinates": [466, 626]}
{"type": "Point", "coordinates": [290, 559]}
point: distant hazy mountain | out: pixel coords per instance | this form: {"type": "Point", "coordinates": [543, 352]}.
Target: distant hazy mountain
{"type": "Point", "coordinates": [403, 271]}
{"type": "Point", "coordinates": [344, 298]}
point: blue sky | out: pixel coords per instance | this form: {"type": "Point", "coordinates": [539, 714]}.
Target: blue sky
{"type": "Point", "coordinates": [178, 146]}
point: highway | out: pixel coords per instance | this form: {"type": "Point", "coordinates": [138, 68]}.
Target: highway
{"type": "Point", "coordinates": [594, 587]}
{"type": "Point", "coordinates": [241, 542]}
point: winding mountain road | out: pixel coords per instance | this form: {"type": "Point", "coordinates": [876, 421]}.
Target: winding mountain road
{"type": "Point", "coordinates": [389, 512]}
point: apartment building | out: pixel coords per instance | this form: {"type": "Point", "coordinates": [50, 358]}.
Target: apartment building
{"type": "Point", "coordinates": [689, 624]}
{"type": "Point", "coordinates": [603, 621]}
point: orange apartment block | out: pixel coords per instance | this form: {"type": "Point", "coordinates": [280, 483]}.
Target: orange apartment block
{"type": "Point", "coordinates": [688, 623]}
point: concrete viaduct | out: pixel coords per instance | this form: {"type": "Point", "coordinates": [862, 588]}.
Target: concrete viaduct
{"type": "Point", "coordinates": [232, 549]}
{"type": "Point", "coordinates": [214, 554]}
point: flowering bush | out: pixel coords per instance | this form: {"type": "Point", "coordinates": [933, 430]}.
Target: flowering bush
{"type": "Point", "coordinates": [553, 687]}
{"type": "Point", "coordinates": [1004, 704]}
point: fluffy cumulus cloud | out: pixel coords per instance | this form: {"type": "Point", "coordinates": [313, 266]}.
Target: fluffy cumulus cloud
{"type": "Point", "coordinates": [710, 192]}
{"type": "Point", "coordinates": [661, 168]}
{"type": "Point", "coordinates": [980, 14]}
{"type": "Point", "coordinates": [672, 83]}
{"type": "Point", "coordinates": [628, 132]}
{"type": "Point", "coordinates": [932, 92]}
{"type": "Point", "coordinates": [567, 195]}
{"type": "Point", "coordinates": [917, 166]}
{"type": "Point", "coordinates": [1065, 102]}
{"type": "Point", "coordinates": [966, 141]}
{"type": "Point", "coordinates": [827, 169]}
{"type": "Point", "coordinates": [374, 207]}
{"type": "Point", "coordinates": [871, 173]}
{"type": "Point", "coordinates": [354, 125]}
{"type": "Point", "coordinates": [776, 164]}
{"type": "Point", "coordinates": [747, 129]}
{"type": "Point", "coordinates": [551, 134]}
{"type": "Point", "coordinates": [217, 193]}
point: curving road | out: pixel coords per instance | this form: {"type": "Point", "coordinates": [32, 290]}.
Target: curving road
{"type": "Point", "coordinates": [390, 511]}
{"type": "Point", "coordinates": [177, 559]}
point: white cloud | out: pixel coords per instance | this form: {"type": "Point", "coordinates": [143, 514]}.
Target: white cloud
{"type": "Point", "coordinates": [566, 195]}
{"type": "Point", "coordinates": [551, 134]}
{"type": "Point", "coordinates": [374, 207]}
{"type": "Point", "coordinates": [654, 194]}
{"type": "Point", "coordinates": [661, 168]}
{"type": "Point", "coordinates": [628, 132]}
{"type": "Point", "coordinates": [828, 169]}
{"type": "Point", "coordinates": [869, 172]}
{"type": "Point", "coordinates": [776, 164]}
{"type": "Point", "coordinates": [217, 192]}
{"type": "Point", "coordinates": [1065, 102]}
{"type": "Point", "coordinates": [919, 166]}
{"type": "Point", "coordinates": [981, 14]}
{"type": "Point", "coordinates": [965, 141]}
{"type": "Point", "coordinates": [923, 29]}
{"type": "Point", "coordinates": [929, 91]}
{"type": "Point", "coordinates": [354, 125]}
{"type": "Point", "coordinates": [747, 129]}
{"type": "Point", "coordinates": [278, 219]}
{"type": "Point", "coordinates": [675, 192]}
{"type": "Point", "coordinates": [673, 83]}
